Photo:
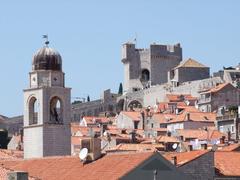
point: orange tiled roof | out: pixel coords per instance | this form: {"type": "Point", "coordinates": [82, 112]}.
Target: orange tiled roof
{"type": "Point", "coordinates": [134, 115]}
{"type": "Point", "coordinates": [95, 119]}
{"type": "Point", "coordinates": [218, 88]}
{"type": "Point", "coordinates": [230, 147]}
{"type": "Point", "coordinates": [200, 134]}
{"type": "Point", "coordinates": [10, 154]}
{"type": "Point", "coordinates": [60, 168]}
{"type": "Point", "coordinates": [194, 116]}
{"type": "Point", "coordinates": [84, 131]}
{"type": "Point", "coordinates": [227, 163]}
{"type": "Point", "coordinates": [136, 147]}
{"type": "Point", "coordinates": [177, 97]}
{"type": "Point", "coordinates": [188, 108]}
{"type": "Point", "coordinates": [190, 63]}
{"type": "Point", "coordinates": [166, 139]}
{"type": "Point", "coordinates": [185, 157]}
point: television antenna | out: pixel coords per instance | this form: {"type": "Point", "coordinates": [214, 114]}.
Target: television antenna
{"type": "Point", "coordinates": [83, 154]}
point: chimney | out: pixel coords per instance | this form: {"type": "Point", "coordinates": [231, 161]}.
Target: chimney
{"type": "Point", "coordinates": [190, 147]}
{"type": "Point", "coordinates": [187, 116]}
{"type": "Point", "coordinates": [148, 111]}
{"type": "Point", "coordinates": [143, 120]}
{"type": "Point", "coordinates": [124, 131]}
{"type": "Point", "coordinates": [133, 136]}
{"type": "Point", "coordinates": [174, 160]}
{"type": "Point", "coordinates": [17, 175]}
{"type": "Point", "coordinates": [222, 140]}
{"type": "Point", "coordinates": [103, 128]}
{"type": "Point", "coordinates": [95, 149]}
{"type": "Point", "coordinates": [204, 146]}
{"type": "Point", "coordinates": [176, 111]}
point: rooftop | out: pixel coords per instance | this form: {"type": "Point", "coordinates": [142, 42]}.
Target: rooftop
{"type": "Point", "coordinates": [191, 63]}
{"type": "Point", "coordinates": [134, 115]}
{"type": "Point", "coordinates": [136, 147]}
{"type": "Point", "coordinates": [67, 167]}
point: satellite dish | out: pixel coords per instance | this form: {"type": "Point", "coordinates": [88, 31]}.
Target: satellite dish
{"type": "Point", "coordinates": [174, 146]}
{"type": "Point", "coordinates": [187, 102]}
{"type": "Point", "coordinates": [105, 133]}
{"type": "Point", "coordinates": [83, 154]}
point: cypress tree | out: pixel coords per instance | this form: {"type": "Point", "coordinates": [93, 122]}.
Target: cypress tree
{"type": "Point", "coordinates": [120, 90]}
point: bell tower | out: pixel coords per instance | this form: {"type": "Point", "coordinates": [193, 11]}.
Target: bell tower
{"type": "Point", "coordinates": [47, 107]}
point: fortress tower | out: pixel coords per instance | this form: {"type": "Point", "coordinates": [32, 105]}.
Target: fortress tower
{"type": "Point", "coordinates": [47, 107]}
{"type": "Point", "coordinates": [146, 67]}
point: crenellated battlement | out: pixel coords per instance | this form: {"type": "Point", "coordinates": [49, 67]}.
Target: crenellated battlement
{"type": "Point", "coordinates": [148, 66]}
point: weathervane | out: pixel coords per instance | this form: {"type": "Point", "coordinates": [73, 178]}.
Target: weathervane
{"type": "Point", "coordinates": [46, 38]}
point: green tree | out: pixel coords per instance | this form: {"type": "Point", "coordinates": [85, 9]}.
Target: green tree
{"type": "Point", "coordinates": [88, 99]}
{"type": "Point", "coordinates": [120, 90]}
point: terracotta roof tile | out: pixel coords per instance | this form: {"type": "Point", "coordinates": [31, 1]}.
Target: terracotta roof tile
{"type": "Point", "coordinates": [230, 147]}
{"type": "Point", "coordinates": [95, 119]}
{"type": "Point", "coordinates": [228, 163]}
{"type": "Point", "coordinates": [166, 139]}
{"type": "Point", "coordinates": [185, 157]}
{"type": "Point", "coordinates": [136, 147]}
{"type": "Point", "coordinates": [10, 154]}
{"type": "Point", "coordinates": [200, 134]}
{"type": "Point", "coordinates": [190, 63]}
{"type": "Point", "coordinates": [180, 97]}
{"type": "Point", "coordinates": [134, 115]}
{"type": "Point", "coordinates": [71, 168]}
{"type": "Point", "coordinates": [194, 116]}
{"type": "Point", "coordinates": [82, 130]}
{"type": "Point", "coordinates": [218, 88]}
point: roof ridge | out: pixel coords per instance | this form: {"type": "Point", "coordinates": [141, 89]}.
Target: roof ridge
{"type": "Point", "coordinates": [190, 63]}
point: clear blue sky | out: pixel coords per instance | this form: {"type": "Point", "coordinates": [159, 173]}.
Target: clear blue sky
{"type": "Point", "coordinates": [88, 34]}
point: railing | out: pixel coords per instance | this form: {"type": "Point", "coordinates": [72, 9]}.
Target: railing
{"type": "Point", "coordinates": [204, 100]}
{"type": "Point", "coordinates": [227, 117]}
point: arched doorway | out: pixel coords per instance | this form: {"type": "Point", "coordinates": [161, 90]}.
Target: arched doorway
{"type": "Point", "coordinates": [56, 110]}
{"type": "Point", "coordinates": [145, 75]}
{"type": "Point", "coordinates": [33, 111]}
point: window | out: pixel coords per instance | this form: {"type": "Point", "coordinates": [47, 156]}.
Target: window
{"type": "Point", "coordinates": [135, 124]}
{"type": "Point", "coordinates": [145, 75]}
{"type": "Point", "coordinates": [56, 110]}
{"type": "Point", "coordinates": [152, 125]}
{"type": "Point", "coordinates": [232, 128]}
{"type": "Point", "coordinates": [33, 111]}
{"type": "Point", "coordinates": [221, 128]}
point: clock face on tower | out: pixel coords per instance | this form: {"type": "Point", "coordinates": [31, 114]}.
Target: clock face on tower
{"type": "Point", "coordinates": [34, 80]}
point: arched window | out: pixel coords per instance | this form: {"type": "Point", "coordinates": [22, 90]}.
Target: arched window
{"type": "Point", "coordinates": [33, 111]}
{"type": "Point", "coordinates": [145, 76]}
{"type": "Point", "coordinates": [133, 105]}
{"type": "Point", "coordinates": [56, 110]}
